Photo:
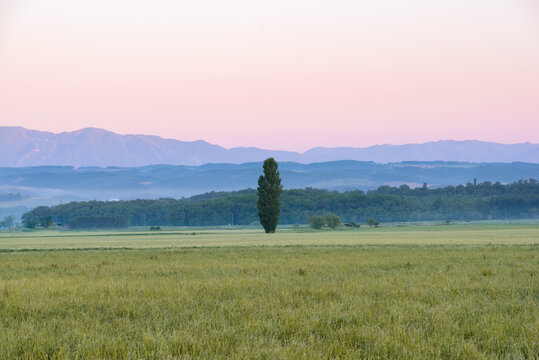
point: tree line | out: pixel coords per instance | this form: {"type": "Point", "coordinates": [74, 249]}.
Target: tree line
{"type": "Point", "coordinates": [473, 201]}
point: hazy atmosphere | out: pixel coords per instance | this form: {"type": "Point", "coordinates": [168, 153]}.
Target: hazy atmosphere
{"type": "Point", "coordinates": [322, 73]}
{"type": "Point", "coordinates": [269, 179]}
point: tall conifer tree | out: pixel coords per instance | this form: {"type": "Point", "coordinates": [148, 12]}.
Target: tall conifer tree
{"type": "Point", "coordinates": [269, 193]}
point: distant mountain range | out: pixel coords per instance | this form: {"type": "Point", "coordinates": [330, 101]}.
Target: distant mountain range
{"type": "Point", "coordinates": [21, 147]}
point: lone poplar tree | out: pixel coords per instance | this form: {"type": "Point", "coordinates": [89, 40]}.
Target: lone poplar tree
{"type": "Point", "coordinates": [269, 193]}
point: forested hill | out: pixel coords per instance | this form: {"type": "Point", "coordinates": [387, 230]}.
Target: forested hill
{"type": "Point", "coordinates": [62, 184]}
{"type": "Point", "coordinates": [464, 202]}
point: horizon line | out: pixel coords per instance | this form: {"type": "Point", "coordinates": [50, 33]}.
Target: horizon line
{"type": "Point", "coordinates": [265, 149]}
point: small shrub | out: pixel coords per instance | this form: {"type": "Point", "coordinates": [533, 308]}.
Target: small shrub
{"type": "Point", "coordinates": [316, 222]}
{"type": "Point", "coordinates": [332, 220]}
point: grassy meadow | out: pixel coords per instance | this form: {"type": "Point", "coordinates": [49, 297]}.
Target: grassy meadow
{"type": "Point", "coordinates": [473, 234]}
{"type": "Point", "coordinates": [432, 292]}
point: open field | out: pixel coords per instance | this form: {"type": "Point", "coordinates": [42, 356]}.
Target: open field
{"type": "Point", "coordinates": [477, 234]}
{"type": "Point", "coordinates": [444, 292]}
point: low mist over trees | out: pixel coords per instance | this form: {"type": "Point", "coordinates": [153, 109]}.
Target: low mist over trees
{"type": "Point", "coordinates": [8, 221]}
{"type": "Point", "coordinates": [464, 202]}
{"type": "Point", "coordinates": [11, 197]}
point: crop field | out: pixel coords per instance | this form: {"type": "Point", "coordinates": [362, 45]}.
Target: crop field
{"type": "Point", "coordinates": [476, 234]}
{"type": "Point", "coordinates": [432, 292]}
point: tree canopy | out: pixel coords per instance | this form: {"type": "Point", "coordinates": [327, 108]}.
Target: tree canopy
{"type": "Point", "coordinates": [518, 200]}
{"type": "Point", "coordinates": [269, 193]}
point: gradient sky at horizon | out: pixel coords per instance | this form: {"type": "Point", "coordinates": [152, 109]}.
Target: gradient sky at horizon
{"type": "Point", "coordinates": [274, 74]}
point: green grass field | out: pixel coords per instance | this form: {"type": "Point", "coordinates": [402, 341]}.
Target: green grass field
{"type": "Point", "coordinates": [433, 292]}
{"type": "Point", "coordinates": [476, 234]}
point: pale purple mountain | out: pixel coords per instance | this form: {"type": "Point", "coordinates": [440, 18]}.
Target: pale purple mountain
{"type": "Point", "coordinates": [96, 147]}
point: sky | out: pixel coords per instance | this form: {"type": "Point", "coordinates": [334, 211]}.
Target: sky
{"type": "Point", "coordinates": [279, 74]}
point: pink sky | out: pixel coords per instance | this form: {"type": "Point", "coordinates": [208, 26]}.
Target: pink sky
{"type": "Point", "coordinates": [274, 74]}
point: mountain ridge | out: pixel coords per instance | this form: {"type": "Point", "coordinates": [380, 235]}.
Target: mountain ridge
{"type": "Point", "coordinates": [23, 147]}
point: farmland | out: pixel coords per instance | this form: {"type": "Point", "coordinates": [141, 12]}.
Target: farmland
{"type": "Point", "coordinates": [415, 292]}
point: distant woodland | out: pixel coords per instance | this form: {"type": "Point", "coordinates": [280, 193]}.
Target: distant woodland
{"type": "Point", "coordinates": [518, 200]}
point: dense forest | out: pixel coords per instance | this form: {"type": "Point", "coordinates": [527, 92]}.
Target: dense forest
{"type": "Point", "coordinates": [472, 201]}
